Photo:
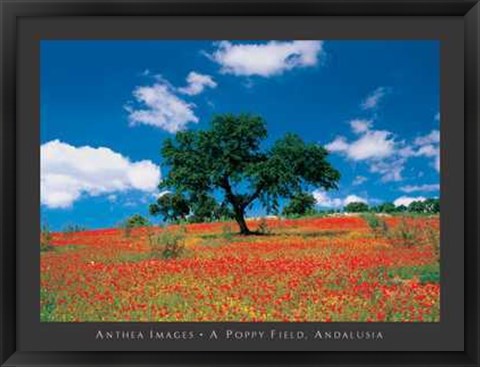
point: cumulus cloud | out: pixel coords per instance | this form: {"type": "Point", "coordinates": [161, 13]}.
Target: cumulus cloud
{"type": "Point", "coordinates": [324, 200]}
{"type": "Point", "coordinates": [377, 148]}
{"type": "Point", "coordinates": [266, 59]}
{"type": "Point", "coordinates": [159, 106]}
{"type": "Point", "coordinates": [428, 146]}
{"type": "Point", "coordinates": [69, 172]}
{"type": "Point", "coordinates": [372, 144]}
{"type": "Point", "coordinates": [354, 199]}
{"type": "Point", "coordinates": [420, 188]}
{"type": "Point", "coordinates": [406, 200]}
{"type": "Point", "coordinates": [383, 154]}
{"type": "Point", "coordinates": [374, 98]}
{"type": "Point", "coordinates": [197, 83]}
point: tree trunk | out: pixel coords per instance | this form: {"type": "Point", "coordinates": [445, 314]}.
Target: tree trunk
{"type": "Point", "coordinates": [238, 206]}
{"type": "Point", "coordinates": [240, 218]}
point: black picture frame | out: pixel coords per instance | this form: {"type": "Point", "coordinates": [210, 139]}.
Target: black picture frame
{"type": "Point", "coordinates": [12, 11]}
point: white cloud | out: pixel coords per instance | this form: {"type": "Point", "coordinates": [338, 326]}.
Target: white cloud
{"type": "Point", "coordinates": [437, 116]}
{"type": "Point", "coordinates": [353, 199]}
{"type": "Point", "coordinates": [324, 200]}
{"type": "Point", "coordinates": [374, 98]}
{"type": "Point", "coordinates": [432, 138]}
{"type": "Point", "coordinates": [69, 172]}
{"type": "Point", "coordinates": [391, 169]}
{"type": "Point", "coordinates": [406, 200]}
{"type": "Point", "coordinates": [360, 126]}
{"type": "Point", "coordinates": [197, 83]}
{"type": "Point", "coordinates": [429, 146]}
{"type": "Point", "coordinates": [160, 107]}
{"type": "Point", "coordinates": [358, 180]}
{"type": "Point", "coordinates": [338, 145]}
{"type": "Point", "coordinates": [266, 59]}
{"type": "Point", "coordinates": [376, 147]}
{"type": "Point", "coordinates": [380, 150]}
{"type": "Point", "coordinates": [422, 188]}
{"type": "Point", "coordinates": [372, 144]}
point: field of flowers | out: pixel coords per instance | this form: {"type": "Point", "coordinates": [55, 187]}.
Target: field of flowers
{"type": "Point", "coordinates": [315, 269]}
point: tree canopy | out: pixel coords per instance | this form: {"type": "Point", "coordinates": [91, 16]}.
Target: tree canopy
{"type": "Point", "coordinates": [229, 158]}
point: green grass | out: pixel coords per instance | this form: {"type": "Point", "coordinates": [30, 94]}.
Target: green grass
{"type": "Point", "coordinates": [47, 300]}
{"type": "Point", "coordinates": [426, 273]}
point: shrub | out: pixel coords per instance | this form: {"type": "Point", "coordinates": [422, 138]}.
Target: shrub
{"type": "Point", "coordinates": [263, 227]}
{"type": "Point", "coordinates": [73, 228]}
{"type": "Point", "coordinates": [407, 233]}
{"type": "Point", "coordinates": [227, 232]}
{"type": "Point", "coordinates": [168, 244]}
{"type": "Point", "coordinates": [135, 221]}
{"type": "Point", "coordinates": [45, 239]}
{"type": "Point", "coordinates": [432, 238]}
{"type": "Point", "coordinates": [378, 226]}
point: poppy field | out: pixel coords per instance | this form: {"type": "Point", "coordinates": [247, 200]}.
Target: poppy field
{"type": "Point", "coordinates": [318, 269]}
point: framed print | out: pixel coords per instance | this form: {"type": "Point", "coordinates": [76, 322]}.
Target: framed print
{"type": "Point", "coordinates": [225, 183]}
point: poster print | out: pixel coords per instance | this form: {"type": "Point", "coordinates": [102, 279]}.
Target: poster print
{"type": "Point", "coordinates": [240, 181]}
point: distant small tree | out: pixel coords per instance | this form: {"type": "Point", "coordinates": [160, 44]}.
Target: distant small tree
{"type": "Point", "coordinates": [301, 203]}
{"type": "Point", "coordinates": [402, 208]}
{"type": "Point", "coordinates": [386, 208]}
{"type": "Point", "coordinates": [137, 220]}
{"type": "Point", "coordinates": [171, 206]}
{"type": "Point", "coordinates": [417, 206]}
{"type": "Point", "coordinates": [134, 221]}
{"type": "Point", "coordinates": [356, 207]}
{"type": "Point", "coordinates": [432, 205]}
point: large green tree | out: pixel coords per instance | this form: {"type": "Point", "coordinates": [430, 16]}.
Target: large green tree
{"type": "Point", "coordinates": [228, 158]}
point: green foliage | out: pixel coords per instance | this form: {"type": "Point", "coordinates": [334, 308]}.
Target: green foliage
{"type": "Point", "coordinates": [134, 221]}
{"type": "Point", "coordinates": [229, 158]}
{"type": "Point", "coordinates": [428, 206]}
{"type": "Point", "coordinates": [168, 244]}
{"type": "Point", "coordinates": [171, 206]}
{"type": "Point", "coordinates": [378, 226]}
{"type": "Point", "coordinates": [385, 208]}
{"type": "Point", "coordinates": [356, 207]}
{"type": "Point", "coordinates": [425, 273]}
{"type": "Point", "coordinates": [300, 204]}
{"type": "Point", "coordinates": [45, 239]}
{"type": "Point", "coordinates": [406, 233]}
{"type": "Point", "coordinates": [206, 209]}
{"type": "Point", "coordinates": [47, 302]}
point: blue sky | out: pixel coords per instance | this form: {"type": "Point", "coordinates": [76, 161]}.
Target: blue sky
{"type": "Point", "coordinates": [106, 107]}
